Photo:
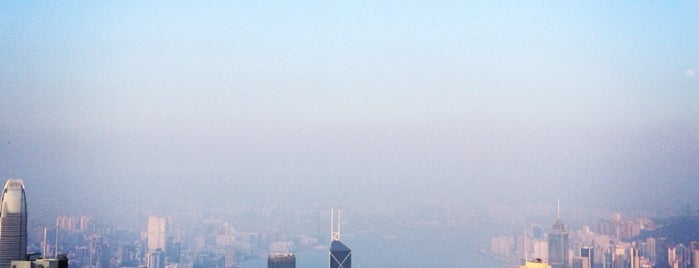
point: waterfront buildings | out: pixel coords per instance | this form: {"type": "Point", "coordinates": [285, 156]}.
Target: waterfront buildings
{"type": "Point", "coordinates": [13, 223]}
{"type": "Point", "coordinates": [281, 260]}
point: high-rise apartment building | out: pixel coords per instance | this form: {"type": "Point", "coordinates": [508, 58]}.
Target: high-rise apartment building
{"type": "Point", "coordinates": [281, 260]}
{"type": "Point", "coordinates": [558, 245]}
{"type": "Point", "coordinates": [156, 233]}
{"type": "Point", "coordinates": [634, 258]}
{"type": "Point", "coordinates": [13, 223]}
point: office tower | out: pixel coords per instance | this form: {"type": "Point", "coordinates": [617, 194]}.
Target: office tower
{"type": "Point", "coordinates": [60, 261]}
{"type": "Point", "coordinates": [558, 243]}
{"type": "Point", "coordinates": [155, 259]}
{"type": "Point", "coordinates": [661, 253]}
{"type": "Point", "coordinates": [651, 244]}
{"type": "Point", "coordinates": [587, 254]}
{"type": "Point", "coordinates": [537, 231]}
{"type": "Point", "coordinates": [672, 256]}
{"type": "Point", "coordinates": [13, 223]}
{"type": "Point", "coordinates": [340, 255]}
{"type": "Point", "coordinates": [99, 253]}
{"type": "Point", "coordinates": [608, 260]}
{"type": "Point", "coordinates": [156, 233]}
{"type": "Point", "coordinates": [634, 258]}
{"type": "Point", "coordinates": [173, 249]}
{"type": "Point", "coordinates": [281, 260]}
{"type": "Point", "coordinates": [683, 255]}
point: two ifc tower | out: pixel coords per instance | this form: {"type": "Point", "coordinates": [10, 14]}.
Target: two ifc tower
{"type": "Point", "coordinates": [13, 223]}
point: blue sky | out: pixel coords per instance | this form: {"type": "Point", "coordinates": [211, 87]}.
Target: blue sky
{"type": "Point", "coordinates": [438, 97]}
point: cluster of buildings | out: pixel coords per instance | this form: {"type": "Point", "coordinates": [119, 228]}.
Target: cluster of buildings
{"type": "Point", "coordinates": [615, 244]}
{"type": "Point", "coordinates": [216, 244]}
{"type": "Point", "coordinates": [340, 254]}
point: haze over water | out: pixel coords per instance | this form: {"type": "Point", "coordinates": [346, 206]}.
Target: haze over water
{"type": "Point", "coordinates": [408, 248]}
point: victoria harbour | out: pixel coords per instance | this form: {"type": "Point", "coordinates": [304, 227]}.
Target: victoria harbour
{"type": "Point", "coordinates": [404, 248]}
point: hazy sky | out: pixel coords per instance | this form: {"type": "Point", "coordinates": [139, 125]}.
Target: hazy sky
{"type": "Point", "coordinates": [333, 102]}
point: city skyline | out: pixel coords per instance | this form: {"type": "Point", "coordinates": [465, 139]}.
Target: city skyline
{"type": "Point", "coordinates": [624, 239]}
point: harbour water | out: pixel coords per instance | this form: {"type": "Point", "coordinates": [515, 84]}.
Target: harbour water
{"type": "Point", "coordinates": [422, 247]}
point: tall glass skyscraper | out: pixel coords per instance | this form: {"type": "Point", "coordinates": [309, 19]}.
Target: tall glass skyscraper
{"type": "Point", "coordinates": [340, 255]}
{"type": "Point", "coordinates": [13, 223]}
{"type": "Point", "coordinates": [558, 244]}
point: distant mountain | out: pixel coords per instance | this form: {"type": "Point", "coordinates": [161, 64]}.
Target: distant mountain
{"type": "Point", "coordinates": [675, 229]}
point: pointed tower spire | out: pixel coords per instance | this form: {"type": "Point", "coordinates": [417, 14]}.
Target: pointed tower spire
{"type": "Point", "coordinates": [335, 233]}
{"type": "Point", "coordinates": [558, 208]}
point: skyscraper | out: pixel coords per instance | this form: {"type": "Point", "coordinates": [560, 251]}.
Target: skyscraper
{"type": "Point", "coordinates": [13, 223]}
{"type": "Point", "coordinates": [340, 255]}
{"type": "Point", "coordinates": [558, 243]}
{"type": "Point", "coordinates": [156, 233]}
{"type": "Point", "coordinates": [587, 254]}
{"type": "Point", "coordinates": [155, 259]}
{"type": "Point", "coordinates": [281, 260]}
{"type": "Point", "coordinates": [634, 258]}
{"type": "Point", "coordinates": [661, 256]}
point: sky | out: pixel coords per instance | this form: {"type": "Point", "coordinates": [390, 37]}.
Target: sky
{"type": "Point", "coordinates": [132, 104]}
